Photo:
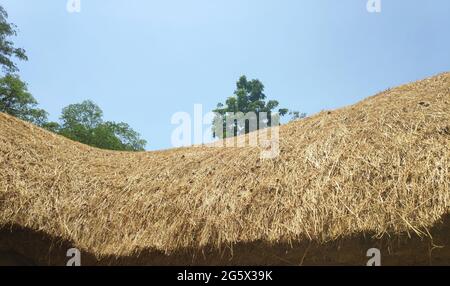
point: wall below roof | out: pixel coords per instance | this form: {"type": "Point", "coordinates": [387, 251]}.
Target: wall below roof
{"type": "Point", "coordinates": [20, 246]}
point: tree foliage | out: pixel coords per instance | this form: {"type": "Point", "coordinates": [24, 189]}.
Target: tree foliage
{"type": "Point", "coordinates": [248, 97]}
{"type": "Point", "coordinates": [17, 101]}
{"type": "Point", "coordinates": [83, 122]}
{"type": "Point", "coordinates": [7, 49]}
{"type": "Point", "coordinates": [14, 96]}
{"type": "Point", "coordinates": [296, 115]}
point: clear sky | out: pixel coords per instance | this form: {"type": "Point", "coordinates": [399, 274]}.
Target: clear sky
{"type": "Point", "coordinates": [142, 60]}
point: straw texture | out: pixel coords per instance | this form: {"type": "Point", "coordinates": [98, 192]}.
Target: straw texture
{"type": "Point", "coordinates": [381, 166]}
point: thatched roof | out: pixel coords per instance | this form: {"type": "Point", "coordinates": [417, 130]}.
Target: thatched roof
{"type": "Point", "coordinates": [381, 167]}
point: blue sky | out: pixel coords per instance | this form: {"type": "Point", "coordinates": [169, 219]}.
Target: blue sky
{"type": "Point", "coordinates": [142, 60]}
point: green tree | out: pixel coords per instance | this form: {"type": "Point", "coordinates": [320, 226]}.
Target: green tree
{"type": "Point", "coordinates": [14, 96]}
{"type": "Point", "coordinates": [52, 126]}
{"type": "Point", "coordinates": [296, 115]}
{"type": "Point", "coordinates": [7, 49]}
{"type": "Point", "coordinates": [83, 122]}
{"type": "Point", "coordinates": [248, 97]}
{"type": "Point", "coordinates": [86, 114]}
{"type": "Point", "coordinates": [129, 138]}
{"type": "Point", "coordinates": [17, 101]}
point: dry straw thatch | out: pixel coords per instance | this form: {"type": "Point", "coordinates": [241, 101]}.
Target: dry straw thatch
{"type": "Point", "coordinates": [379, 167]}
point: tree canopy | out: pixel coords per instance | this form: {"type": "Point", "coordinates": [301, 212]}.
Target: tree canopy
{"type": "Point", "coordinates": [7, 49]}
{"type": "Point", "coordinates": [248, 97]}
{"type": "Point", "coordinates": [17, 101]}
{"type": "Point", "coordinates": [83, 122]}
{"type": "Point", "coordinates": [14, 96]}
